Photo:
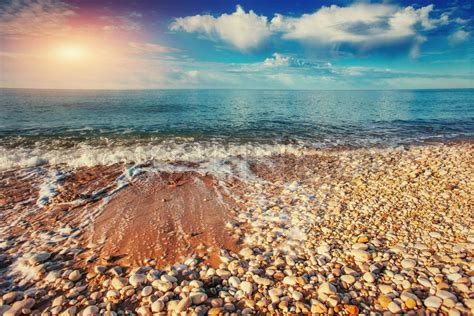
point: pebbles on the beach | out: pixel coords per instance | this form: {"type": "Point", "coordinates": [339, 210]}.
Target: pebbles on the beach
{"type": "Point", "coordinates": [382, 231]}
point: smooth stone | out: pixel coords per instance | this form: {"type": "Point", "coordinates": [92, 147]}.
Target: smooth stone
{"type": "Point", "coordinates": [19, 306]}
{"type": "Point", "coordinates": [75, 276]}
{"type": "Point", "coordinates": [433, 302]}
{"type": "Point", "coordinates": [289, 280]}
{"type": "Point", "coordinates": [9, 297]}
{"type": "Point", "coordinates": [234, 281]}
{"type": "Point", "coordinates": [369, 277]}
{"type": "Point", "coordinates": [183, 305]}
{"type": "Point", "coordinates": [39, 258]}
{"type": "Point", "coordinates": [297, 296]}
{"type": "Point", "coordinates": [349, 279]}
{"type": "Point", "coordinates": [385, 288]}
{"type": "Point", "coordinates": [58, 301]}
{"type": "Point", "coordinates": [394, 308]}
{"type": "Point", "coordinates": [119, 283]}
{"type": "Point", "coordinates": [360, 255]}
{"type": "Point", "coordinates": [137, 279]}
{"type": "Point", "coordinates": [90, 311]}
{"type": "Point", "coordinates": [323, 249]}
{"type": "Point", "coordinates": [146, 291]}
{"type": "Point", "coordinates": [198, 298]}
{"type": "Point", "coordinates": [246, 287]}
{"type": "Point", "coordinates": [408, 263]}
{"type": "Point", "coordinates": [327, 288]}
{"type": "Point", "coordinates": [157, 306]}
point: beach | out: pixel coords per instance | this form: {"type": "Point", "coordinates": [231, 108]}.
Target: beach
{"type": "Point", "coordinates": [297, 231]}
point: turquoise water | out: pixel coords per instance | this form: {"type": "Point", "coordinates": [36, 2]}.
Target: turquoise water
{"type": "Point", "coordinates": [313, 118]}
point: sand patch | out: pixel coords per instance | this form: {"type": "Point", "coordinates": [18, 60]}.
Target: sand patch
{"type": "Point", "coordinates": [166, 216]}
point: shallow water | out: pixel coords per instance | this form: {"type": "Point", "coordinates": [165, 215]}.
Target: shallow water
{"type": "Point", "coordinates": [174, 123]}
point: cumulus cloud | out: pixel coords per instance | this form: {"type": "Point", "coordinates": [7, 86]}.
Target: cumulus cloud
{"type": "Point", "coordinates": [151, 48]}
{"type": "Point", "coordinates": [458, 37]}
{"type": "Point", "coordinates": [242, 30]}
{"type": "Point", "coordinates": [361, 24]}
{"type": "Point", "coordinates": [34, 17]}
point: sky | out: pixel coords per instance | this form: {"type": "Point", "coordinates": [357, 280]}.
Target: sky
{"type": "Point", "coordinates": [298, 44]}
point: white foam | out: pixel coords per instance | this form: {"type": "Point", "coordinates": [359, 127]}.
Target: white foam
{"type": "Point", "coordinates": [48, 189]}
{"type": "Point", "coordinates": [87, 155]}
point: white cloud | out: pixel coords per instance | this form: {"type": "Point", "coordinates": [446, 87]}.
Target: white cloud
{"type": "Point", "coordinates": [151, 48]}
{"type": "Point", "coordinates": [458, 37]}
{"type": "Point", "coordinates": [242, 30]}
{"type": "Point", "coordinates": [34, 18]}
{"type": "Point", "coordinates": [361, 24]}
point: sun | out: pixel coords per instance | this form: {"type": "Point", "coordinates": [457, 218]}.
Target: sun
{"type": "Point", "coordinates": [70, 52]}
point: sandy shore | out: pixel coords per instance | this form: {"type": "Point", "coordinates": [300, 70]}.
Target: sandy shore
{"type": "Point", "coordinates": [370, 231]}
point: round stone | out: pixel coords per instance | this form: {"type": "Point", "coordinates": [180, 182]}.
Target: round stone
{"type": "Point", "coordinates": [75, 276]}
{"type": "Point", "coordinates": [433, 302]}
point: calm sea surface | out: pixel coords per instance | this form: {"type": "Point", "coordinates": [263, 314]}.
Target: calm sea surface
{"type": "Point", "coordinates": [317, 118]}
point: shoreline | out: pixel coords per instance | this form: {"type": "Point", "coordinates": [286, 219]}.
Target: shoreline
{"type": "Point", "coordinates": [333, 230]}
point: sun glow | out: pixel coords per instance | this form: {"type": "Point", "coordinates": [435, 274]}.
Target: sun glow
{"type": "Point", "coordinates": [70, 53]}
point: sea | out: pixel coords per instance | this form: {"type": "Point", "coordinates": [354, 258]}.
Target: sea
{"type": "Point", "coordinates": [90, 127]}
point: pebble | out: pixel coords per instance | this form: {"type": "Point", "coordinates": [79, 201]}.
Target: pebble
{"type": "Point", "coordinates": [246, 287]}
{"type": "Point", "coordinates": [327, 288]}
{"type": "Point", "coordinates": [408, 263]}
{"type": "Point", "coordinates": [360, 255]}
{"type": "Point", "coordinates": [39, 258]}
{"type": "Point", "coordinates": [433, 302]}
{"type": "Point", "coordinates": [75, 275]}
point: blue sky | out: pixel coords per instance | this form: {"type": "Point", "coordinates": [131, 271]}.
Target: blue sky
{"type": "Point", "coordinates": [236, 44]}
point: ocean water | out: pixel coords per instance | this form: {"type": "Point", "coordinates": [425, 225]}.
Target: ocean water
{"type": "Point", "coordinates": [86, 126]}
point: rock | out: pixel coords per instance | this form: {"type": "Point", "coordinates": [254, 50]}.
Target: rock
{"type": "Point", "coordinates": [369, 277]}
{"type": "Point", "coordinates": [168, 278]}
{"type": "Point", "coordinates": [112, 294]}
{"type": "Point", "coordinates": [198, 298]}
{"type": "Point", "coordinates": [297, 296]}
{"type": "Point", "coordinates": [39, 258]}
{"type": "Point", "coordinates": [71, 311]}
{"type": "Point", "coordinates": [234, 282]}
{"type": "Point", "coordinates": [327, 288]}
{"type": "Point", "coordinates": [225, 274]}
{"type": "Point", "coordinates": [119, 283]}
{"type": "Point", "coordinates": [433, 302]}
{"type": "Point", "coordinates": [385, 288]}
{"type": "Point", "coordinates": [384, 301]}
{"type": "Point", "coordinates": [9, 297]}
{"type": "Point", "coordinates": [75, 276]}
{"type": "Point", "coordinates": [157, 306]}
{"type": "Point", "coordinates": [137, 279]}
{"type": "Point", "coordinates": [410, 303]}
{"type": "Point", "coordinates": [183, 305]}
{"type": "Point", "coordinates": [246, 287]}
{"type": "Point", "coordinates": [246, 252]}
{"type": "Point", "coordinates": [58, 301]}
{"type": "Point", "coordinates": [323, 249]}
{"type": "Point", "coordinates": [19, 306]}
{"type": "Point", "coordinates": [262, 281]}
{"type": "Point", "coordinates": [347, 278]}
{"type": "Point", "coordinates": [408, 263]}
{"type": "Point", "coordinates": [144, 311]}
{"type": "Point", "coordinates": [91, 310]}
{"type": "Point", "coordinates": [361, 255]}
{"type": "Point", "coordinates": [100, 269]}
{"type": "Point", "coordinates": [394, 308]}
{"type": "Point", "coordinates": [289, 280]}
{"type": "Point", "coordinates": [146, 291]}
